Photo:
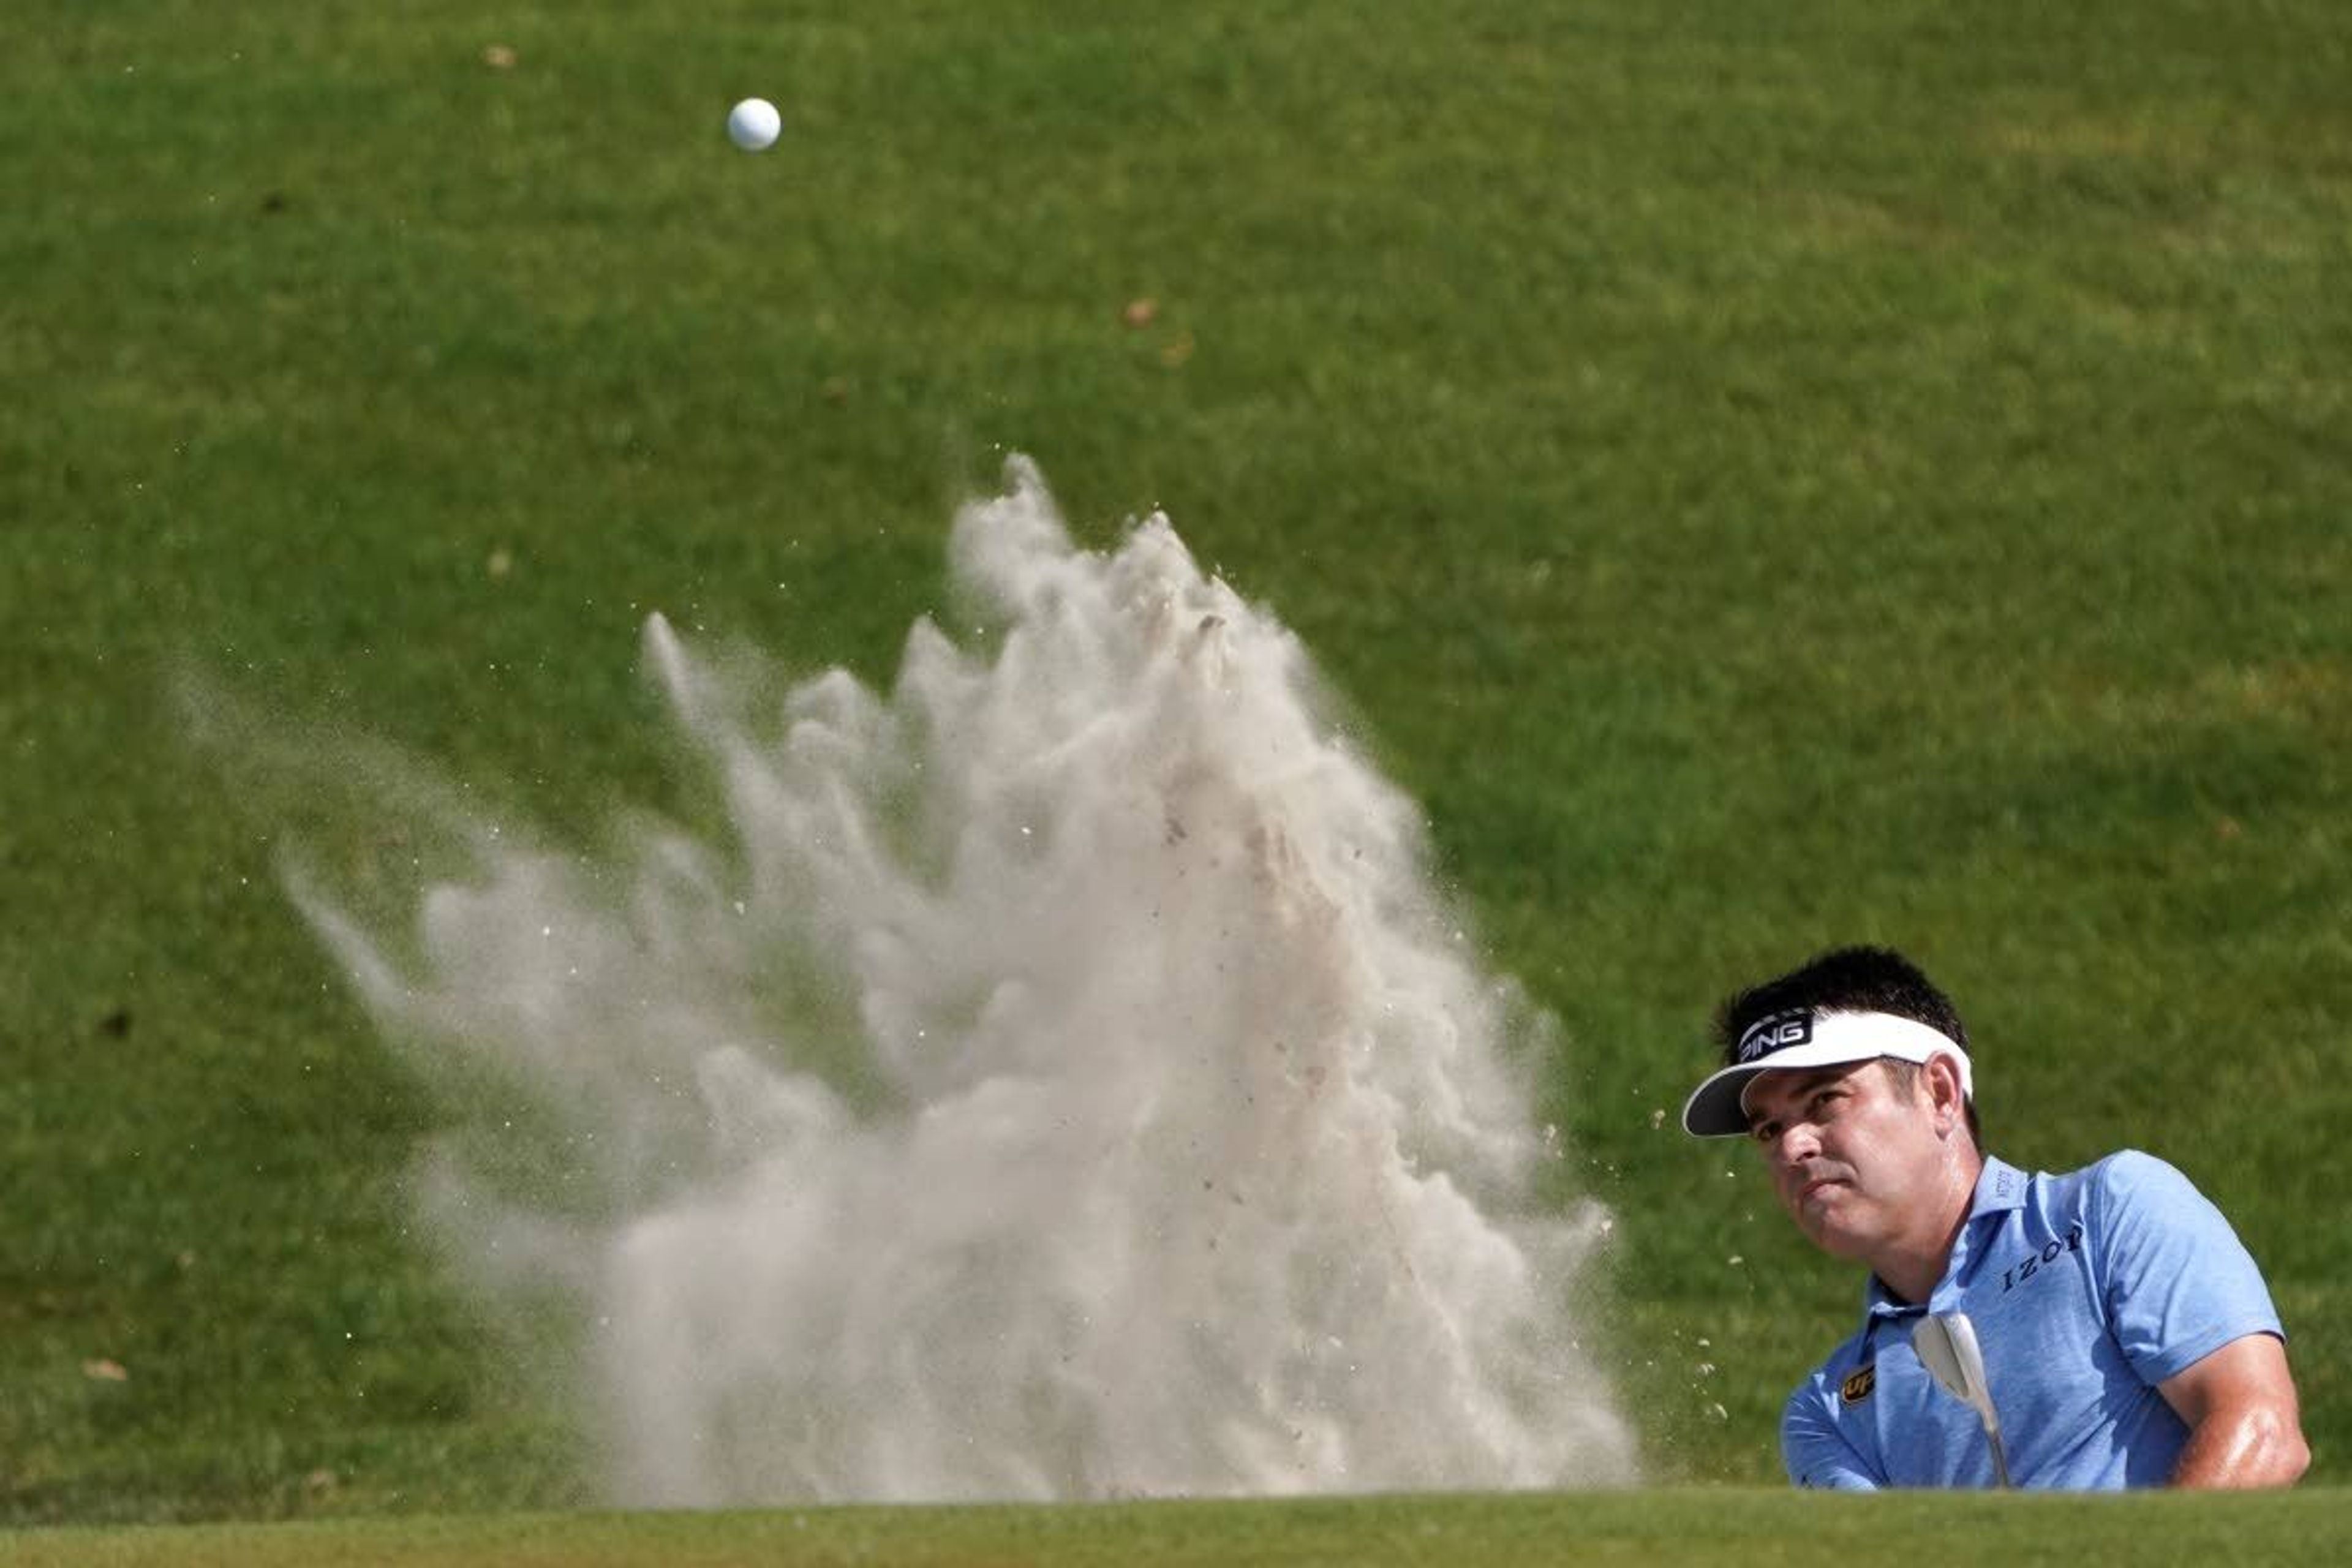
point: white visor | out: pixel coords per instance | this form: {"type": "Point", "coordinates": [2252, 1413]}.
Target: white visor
{"type": "Point", "coordinates": [1805, 1039]}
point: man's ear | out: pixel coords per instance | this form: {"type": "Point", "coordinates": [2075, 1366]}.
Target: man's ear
{"type": "Point", "coordinates": [1939, 1079]}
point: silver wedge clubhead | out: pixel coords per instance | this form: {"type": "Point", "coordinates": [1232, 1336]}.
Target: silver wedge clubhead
{"type": "Point", "coordinates": [1947, 1347]}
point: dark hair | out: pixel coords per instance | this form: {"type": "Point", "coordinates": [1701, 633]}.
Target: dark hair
{"type": "Point", "coordinates": [1848, 980]}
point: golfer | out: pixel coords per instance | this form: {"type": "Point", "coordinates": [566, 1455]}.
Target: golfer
{"type": "Point", "coordinates": [2128, 1339]}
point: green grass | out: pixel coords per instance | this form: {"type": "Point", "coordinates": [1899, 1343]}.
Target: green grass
{"type": "Point", "coordinates": [1761, 477]}
{"type": "Point", "coordinates": [1682, 1529]}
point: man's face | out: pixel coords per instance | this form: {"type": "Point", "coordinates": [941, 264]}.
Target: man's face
{"type": "Point", "coordinates": [1853, 1156]}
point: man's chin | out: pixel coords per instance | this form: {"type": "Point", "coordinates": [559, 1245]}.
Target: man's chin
{"type": "Point", "coordinates": [1839, 1240]}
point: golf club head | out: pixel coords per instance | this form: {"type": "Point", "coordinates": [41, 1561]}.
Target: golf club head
{"type": "Point", "coordinates": [1939, 1341]}
{"type": "Point", "coordinates": [1945, 1344]}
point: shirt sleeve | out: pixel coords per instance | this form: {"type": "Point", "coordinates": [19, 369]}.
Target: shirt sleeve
{"type": "Point", "coordinates": [1815, 1452]}
{"type": "Point", "coordinates": [2179, 1283]}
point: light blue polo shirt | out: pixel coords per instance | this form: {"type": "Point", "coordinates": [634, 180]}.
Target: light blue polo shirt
{"type": "Point", "coordinates": [2086, 1290]}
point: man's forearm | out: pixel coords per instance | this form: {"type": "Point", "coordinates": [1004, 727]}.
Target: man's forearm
{"type": "Point", "coordinates": [2249, 1446]}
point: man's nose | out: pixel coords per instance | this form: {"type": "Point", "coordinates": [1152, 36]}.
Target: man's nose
{"type": "Point", "coordinates": [1798, 1143]}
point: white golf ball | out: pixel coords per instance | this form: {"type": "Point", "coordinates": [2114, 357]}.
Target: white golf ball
{"type": "Point", "coordinates": [754, 124]}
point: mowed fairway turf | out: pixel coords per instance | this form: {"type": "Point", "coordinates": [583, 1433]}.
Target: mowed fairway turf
{"type": "Point", "coordinates": [1761, 477]}
{"type": "Point", "coordinates": [1728, 1527]}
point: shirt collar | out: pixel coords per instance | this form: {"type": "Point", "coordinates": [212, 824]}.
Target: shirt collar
{"type": "Point", "coordinates": [2000, 1188]}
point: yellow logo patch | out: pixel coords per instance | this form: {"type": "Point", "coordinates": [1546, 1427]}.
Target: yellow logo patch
{"type": "Point", "coordinates": [1858, 1384]}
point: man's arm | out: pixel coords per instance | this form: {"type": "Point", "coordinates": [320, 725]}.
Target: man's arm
{"type": "Point", "coordinates": [2245, 1426]}
{"type": "Point", "coordinates": [1815, 1453]}
{"type": "Point", "coordinates": [2179, 1280]}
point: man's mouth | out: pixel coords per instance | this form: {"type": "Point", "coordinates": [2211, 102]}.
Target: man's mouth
{"type": "Point", "coordinates": [1816, 1185]}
